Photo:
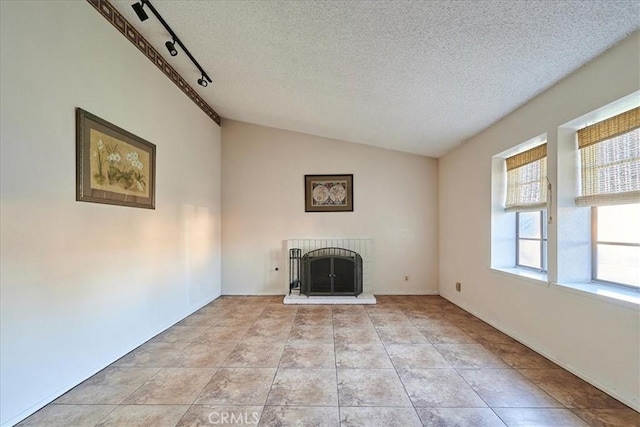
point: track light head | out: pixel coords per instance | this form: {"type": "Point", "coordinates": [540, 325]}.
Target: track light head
{"type": "Point", "coordinates": [171, 47]}
{"type": "Point", "coordinates": [137, 7]}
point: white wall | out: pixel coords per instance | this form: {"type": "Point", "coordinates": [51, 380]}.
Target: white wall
{"type": "Point", "coordinates": [83, 283]}
{"type": "Point", "coordinates": [590, 336]}
{"type": "Point", "coordinates": [395, 204]}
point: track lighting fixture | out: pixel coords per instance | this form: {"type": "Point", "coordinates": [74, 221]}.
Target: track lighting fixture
{"type": "Point", "coordinates": [171, 47]}
{"type": "Point", "coordinates": [138, 8]}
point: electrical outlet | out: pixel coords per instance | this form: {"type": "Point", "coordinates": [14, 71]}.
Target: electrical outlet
{"type": "Point", "coordinates": [406, 278]}
{"type": "Point", "coordinates": [458, 286]}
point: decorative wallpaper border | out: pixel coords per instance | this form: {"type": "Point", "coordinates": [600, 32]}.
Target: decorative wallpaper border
{"type": "Point", "coordinates": [110, 13]}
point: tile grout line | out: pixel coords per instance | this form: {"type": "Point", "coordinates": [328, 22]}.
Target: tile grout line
{"type": "Point", "coordinates": [467, 382]}
{"type": "Point", "coordinates": [105, 417]}
{"type": "Point", "coordinates": [457, 369]}
{"type": "Point", "coordinates": [116, 406]}
{"type": "Point", "coordinates": [478, 394]}
{"type": "Point", "coordinates": [205, 385]}
{"type": "Point", "coordinates": [394, 366]}
{"type": "Point", "coordinates": [434, 347]}
{"type": "Point", "coordinates": [275, 374]}
{"type": "Point", "coordinates": [335, 365]}
{"type": "Point", "coordinates": [390, 308]}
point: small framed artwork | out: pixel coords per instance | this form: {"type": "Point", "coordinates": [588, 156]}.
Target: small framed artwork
{"type": "Point", "coordinates": [113, 166]}
{"type": "Point", "coordinates": [328, 193]}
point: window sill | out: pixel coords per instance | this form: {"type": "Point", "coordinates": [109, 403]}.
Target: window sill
{"type": "Point", "coordinates": [609, 293]}
{"type": "Point", "coordinates": [536, 277]}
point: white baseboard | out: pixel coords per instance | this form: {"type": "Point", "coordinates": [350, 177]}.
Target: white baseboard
{"type": "Point", "coordinates": [562, 364]}
{"type": "Point", "coordinates": [255, 294]}
{"type": "Point", "coordinates": [430, 293]}
{"type": "Point", "coordinates": [62, 390]}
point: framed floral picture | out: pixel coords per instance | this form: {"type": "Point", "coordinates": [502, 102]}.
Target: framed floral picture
{"type": "Point", "coordinates": [328, 193]}
{"type": "Point", "coordinates": [113, 166]}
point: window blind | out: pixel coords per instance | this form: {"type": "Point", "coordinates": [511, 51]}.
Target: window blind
{"type": "Point", "coordinates": [610, 161]}
{"type": "Point", "coordinates": [527, 180]}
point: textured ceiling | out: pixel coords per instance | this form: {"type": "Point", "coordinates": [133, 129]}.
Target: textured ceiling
{"type": "Point", "coordinates": [419, 77]}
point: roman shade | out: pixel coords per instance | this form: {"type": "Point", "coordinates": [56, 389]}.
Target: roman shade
{"type": "Point", "coordinates": [610, 161]}
{"type": "Point", "coordinates": [527, 180]}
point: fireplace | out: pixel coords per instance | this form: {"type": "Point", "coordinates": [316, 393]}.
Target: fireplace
{"type": "Point", "coordinates": [331, 271]}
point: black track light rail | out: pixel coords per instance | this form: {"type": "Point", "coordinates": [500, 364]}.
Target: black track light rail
{"type": "Point", "coordinates": [176, 39]}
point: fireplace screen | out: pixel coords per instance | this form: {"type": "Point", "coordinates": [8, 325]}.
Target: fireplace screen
{"type": "Point", "coordinates": [331, 271]}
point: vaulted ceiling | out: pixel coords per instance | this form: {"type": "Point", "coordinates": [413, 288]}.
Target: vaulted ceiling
{"type": "Point", "coordinates": [414, 76]}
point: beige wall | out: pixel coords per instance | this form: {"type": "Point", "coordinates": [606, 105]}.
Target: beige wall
{"type": "Point", "coordinates": [395, 204]}
{"type": "Point", "coordinates": [591, 336]}
{"type": "Point", "coordinates": [82, 283]}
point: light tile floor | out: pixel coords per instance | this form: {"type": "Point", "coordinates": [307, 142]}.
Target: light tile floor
{"type": "Point", "coordinates": [407, 361]}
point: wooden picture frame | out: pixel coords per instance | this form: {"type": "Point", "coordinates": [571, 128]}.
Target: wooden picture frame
{"type": "Point", "coordinates": [328, 193]}
{"type": "Point", "coordinates": [113, 166]}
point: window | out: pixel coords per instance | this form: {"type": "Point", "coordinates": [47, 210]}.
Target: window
{"type": "Point", "coordinates": [610, 178]}
{"type": "Point", "coordinates": [531, 240]}
{"type": "Point", "coordinates": [616, 244]}
{"type": "Point", "coordinates": [527, 197]}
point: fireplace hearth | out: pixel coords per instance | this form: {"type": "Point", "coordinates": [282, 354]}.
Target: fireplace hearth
{"type": "Point", "coordinates": [331, 271]}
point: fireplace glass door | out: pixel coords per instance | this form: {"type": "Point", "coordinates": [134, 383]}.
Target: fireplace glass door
{"type": "Point", "coordinates": [331, 271]}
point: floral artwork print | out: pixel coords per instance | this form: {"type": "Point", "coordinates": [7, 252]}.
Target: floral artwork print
{"type": "Point", "coordinates": [118, 166]}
